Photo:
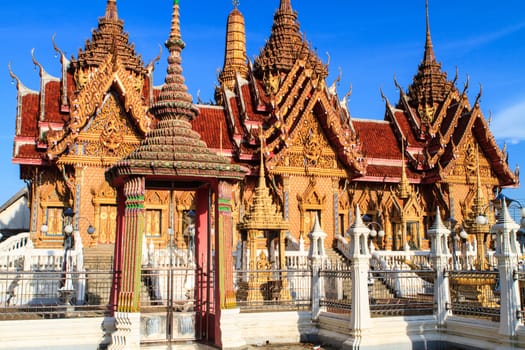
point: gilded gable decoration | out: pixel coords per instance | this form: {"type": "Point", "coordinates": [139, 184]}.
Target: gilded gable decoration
{"type": "Point", "coordinates": [470, 160]}
{"type": "Point", "coordinates": [110, 133]}
{"type": "Point", "coordinates": [85, 103]}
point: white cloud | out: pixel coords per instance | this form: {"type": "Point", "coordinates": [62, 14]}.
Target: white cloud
{"type": "Point", "coordinates": [509, 124]}
{"type": "Point", "coordinates": [484, 38]}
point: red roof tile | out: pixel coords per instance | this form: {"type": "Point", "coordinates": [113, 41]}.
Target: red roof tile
{"type": "Point", "coordinates": [52, 102]}
{"type": "Point", "coordinates": [402, 120]}
{"type": "Point", "coordinates": [377, 139]}
{"type": "Point", "coordinates": [209, 124]}
{"type": "Point", "coordinates": [29, 115]}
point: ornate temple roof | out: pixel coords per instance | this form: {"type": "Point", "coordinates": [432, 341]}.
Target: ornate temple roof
{"type": "Point", "coordinates": [173, 148]}
{"type": "Point", "coordinates": [109, 37]}
{"type": "Point", "coordinates": [430, 85]}
{"type": "Point", "coordinates": [436, 119]}
{"type": "Point", "coordinates": [432, 116]}
{"type": "Point", "coordinates": [286, 45]}
{"type": "Point", "coordinates": [50, 120]}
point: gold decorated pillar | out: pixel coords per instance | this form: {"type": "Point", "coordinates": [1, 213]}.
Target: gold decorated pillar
{"type": "Point", "coordinates": [131, 253]}
{"type": "Point", "coordinates": [253, 283]}
{"type": "Point", "coordinates": [224, 241]}
{"type": "Point", "coordinates": [389, 237]}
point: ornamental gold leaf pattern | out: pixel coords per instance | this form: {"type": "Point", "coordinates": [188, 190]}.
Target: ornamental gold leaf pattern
{"type": "Point", "coordinates": [115, 135]}
{"type": "Point", "coordinates": [85, 103]}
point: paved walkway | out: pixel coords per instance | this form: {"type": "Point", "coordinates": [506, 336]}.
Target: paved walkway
{"type": "Point", "coordinates": [196, 346]}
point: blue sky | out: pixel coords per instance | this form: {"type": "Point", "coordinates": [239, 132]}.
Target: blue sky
{"type": "Point", "coordinates": [369, 43]}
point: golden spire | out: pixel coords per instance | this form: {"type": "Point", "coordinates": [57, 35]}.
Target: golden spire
{"type": "Point", "coordinates": [285, 5]}
{"type": "Point", "coordinates": [286, 45]}
{"type": "Point", "coordinates": [429, 50]}
{"type": "Point", "coordinates": [263, 213]}
{"type": "Point", "coordinates": [235, 52]}
{"type": "Point", "coordinates": [430, 85]}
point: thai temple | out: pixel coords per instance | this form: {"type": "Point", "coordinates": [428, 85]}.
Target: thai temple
{"type": "Point", "coordinates": [275, 165]}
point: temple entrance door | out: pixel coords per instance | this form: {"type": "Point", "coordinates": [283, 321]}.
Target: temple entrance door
{"type": "Point", "coordinates": [107, 224]}
{"type": "Point", "coordinates": [168, 303]}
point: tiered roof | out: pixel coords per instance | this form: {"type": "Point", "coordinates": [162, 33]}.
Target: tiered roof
{"type": "Point", "coordinates": [286, 45]}
{"type": "Point", "coordinates": [263, 213]}
{"type": "Point", "coordinates": [109, 37]}
{"type": "Point", "coordinates": [433, 118]}
{"type": "Point", "coordinates": [287, 80]}
{"type": "Point", "coordinates": [50, 120]}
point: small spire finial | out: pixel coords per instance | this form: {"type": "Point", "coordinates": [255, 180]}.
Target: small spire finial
{"type": "Point", "coordinates": [285, 5]}
{"type": "Point", "coordinates": [429, 51]}
{"type": "Point", "coordinates": [236, 3]}
{"type": "Point", "coordinates": [175, 38]}
{"type": "Point", "coordinates": [111, 10]}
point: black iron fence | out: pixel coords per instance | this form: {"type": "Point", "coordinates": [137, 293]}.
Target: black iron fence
{"type": "Point", "coordinates": [475, 294]}
{"type": "Point", "coordinates": [54, 294]}
{"type": "Point", "coordinates": [273, 290]}
{"type": "Point", "coordinates": [168, 287]}
{"type": "Point", "coordinates": [336, 289]}
{"type": "Point", "coordinates": [391, 293]}
{"type": "Point", "coordinates": [401, 293]}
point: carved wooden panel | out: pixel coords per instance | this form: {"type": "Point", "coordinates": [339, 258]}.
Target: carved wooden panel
{"type": "Point", "coordinates": [110, 134]}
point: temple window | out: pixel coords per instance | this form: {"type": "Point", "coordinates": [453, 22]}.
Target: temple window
{"type": "Point", "coordinates": [413, 236]}
{"type": "Point", "coordinates": [153, 222]}
{"type": "Point", "coordinates": [107, 221]}
{"type": "Point", "coordinates": [54, 221]}
{"type": "Point", "coordinates": [309, 219]}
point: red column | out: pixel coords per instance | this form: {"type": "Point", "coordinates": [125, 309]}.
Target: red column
{"type": "Point", "coordinates": [117, 255]}
{"type": "Point", "coordinates": [224, 251]}
{"type": "Point", "coordinates": [131, 245]}
{"type": "Point", "coordinates": [203, 283]}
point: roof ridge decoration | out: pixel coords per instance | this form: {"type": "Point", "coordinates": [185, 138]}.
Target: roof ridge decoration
{"type": "Point", "coordinates": [173, 148]}
{"type": "Point", "coordinates": [283, 48]}
{"type": "Point", "coordinates": [84, 104]}
{"type": "Point", "coordinates": [109, 37]}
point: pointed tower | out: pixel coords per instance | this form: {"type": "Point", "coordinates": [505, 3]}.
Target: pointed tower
{"type": "Point", "coordinates": [235, 51]}
{"type": "Point", "coordinates": [260, 226]}
{"type": "Point", "coordinates": [286, 45]}
{"type": "Point", "coordinates": [430, 85]}
{"type": "Point", "coordinates": [174, 148]}
{"type": "Point", "coordinates": [477, 222]}
{"type": "Point", "coordinates": [263, 213]}
{"type": "Point", "coordinates": [172, 156]}
{"type": "Point", "coordinates": [109, 37]}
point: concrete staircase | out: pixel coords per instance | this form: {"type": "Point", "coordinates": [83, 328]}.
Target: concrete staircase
{"type": "Point", "coordinates": [99, 258]}
{"type": "Point", "coordinates": [98, 262]}
{"type": "Point", "coordinates": [336, 258]}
